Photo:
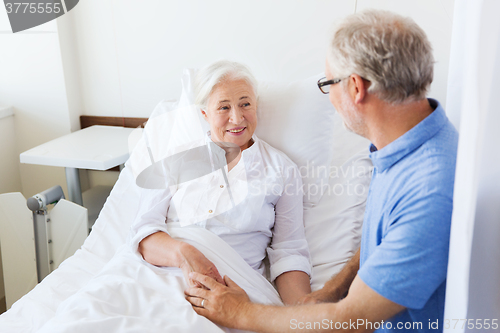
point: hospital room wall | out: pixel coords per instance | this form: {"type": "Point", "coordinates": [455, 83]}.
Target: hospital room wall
{"type": "Point", "coordinates": [131, 55]}
{"type": "Point", "coordinates": [32, 83]}
{"type": "Point", "coordinates": [10, 180]}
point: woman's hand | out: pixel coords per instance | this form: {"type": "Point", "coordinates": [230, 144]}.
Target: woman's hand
{"type": "Point", "coordinates": [160, 249]}
{"type": "Point", "coordinates": [192, 260]}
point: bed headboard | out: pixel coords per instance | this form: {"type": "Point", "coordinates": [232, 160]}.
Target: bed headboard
{"type": "Point", "coordinates": [87, 121]}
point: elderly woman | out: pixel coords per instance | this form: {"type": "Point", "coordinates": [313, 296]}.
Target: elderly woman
{"type": "Point", "coordinates": [267, 213]}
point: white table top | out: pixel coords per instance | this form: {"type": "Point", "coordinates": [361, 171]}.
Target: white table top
{"type": "Point", "coordinates": [96, 148]}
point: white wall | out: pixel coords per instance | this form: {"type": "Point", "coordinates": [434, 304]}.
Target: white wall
{"type": "Point", "coordinates": [32, 83]}
{"type": "Point", "coordinates": [10, 180]}
{"type": "Point", "coordinates": [132, 52]}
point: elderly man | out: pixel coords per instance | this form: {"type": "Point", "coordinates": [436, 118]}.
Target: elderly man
{"type": "Point", "coordinates": [378, 69]}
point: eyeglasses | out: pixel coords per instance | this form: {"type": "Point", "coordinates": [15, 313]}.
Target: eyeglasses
{"type": "Point", "coordinates": [324, 84]}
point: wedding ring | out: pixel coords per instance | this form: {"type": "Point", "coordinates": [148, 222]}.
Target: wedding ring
{"type": "Point", "coordinates": [203, 303]}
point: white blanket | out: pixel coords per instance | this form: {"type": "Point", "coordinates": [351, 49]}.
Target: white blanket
{"type": "Point", "coordinates": [130, 295]}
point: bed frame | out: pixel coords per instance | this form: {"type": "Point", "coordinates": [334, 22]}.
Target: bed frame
{"type": "Point", "coordinates": [86, 121]}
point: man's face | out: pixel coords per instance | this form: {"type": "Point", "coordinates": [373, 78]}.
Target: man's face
{"type": "Point", "coordinates": [344, 104]}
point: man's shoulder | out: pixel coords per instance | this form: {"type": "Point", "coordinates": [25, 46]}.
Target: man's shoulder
{"type": "Point", "coordinates": [446, 139]}
{"type": "Point", "coordinates": [428, 173]}
{"type": "Point", "coordinates": [438, 151]}
{"type": "Point", "coordinates": [438, 155]}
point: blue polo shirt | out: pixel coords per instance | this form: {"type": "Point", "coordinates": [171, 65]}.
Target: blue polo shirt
{"type": "Point", "coordinates": [406, 229]}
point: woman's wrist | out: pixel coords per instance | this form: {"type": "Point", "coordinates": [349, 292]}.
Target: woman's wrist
{"type": "Point", "coordinates": [182, 252]}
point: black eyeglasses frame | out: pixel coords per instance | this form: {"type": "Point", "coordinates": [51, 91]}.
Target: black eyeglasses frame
{"type": "Point", "coordinates": [321, 83]}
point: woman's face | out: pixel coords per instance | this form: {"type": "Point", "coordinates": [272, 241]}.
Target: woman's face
{"type": "Point", "coordinates": [232, 113]}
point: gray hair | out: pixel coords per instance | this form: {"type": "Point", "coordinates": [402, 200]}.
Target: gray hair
{"type": "Point", "coordinates": [209, 77]}
{"type": "Point", "coordinates": [389, 50]}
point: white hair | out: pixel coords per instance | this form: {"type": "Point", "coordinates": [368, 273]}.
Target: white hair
{"type": "Point", "coordinates": [389, 50]}
{"type": "Point", "coordinates": [209, 77]}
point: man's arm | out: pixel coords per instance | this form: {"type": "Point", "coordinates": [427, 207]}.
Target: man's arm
{"type": "Point", "coordinates": [336, 288]}
{"type": "Point", "coordinates": [231, 307]}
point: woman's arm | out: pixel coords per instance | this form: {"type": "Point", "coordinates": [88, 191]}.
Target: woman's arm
{"type": "Point", "coordinates": [151, 214]}
{"type": "Point", "coordinates": [292, 286]}
{"type": "Point", "coordinates": [289, 252]}
{"type": "Point", "coordinates": [150, 240]}
{"type": "Point", "coordinates": [336, 288]}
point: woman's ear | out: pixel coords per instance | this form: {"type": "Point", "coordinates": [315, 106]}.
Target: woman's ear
{"type": "Point", "coordinates": [204, 113]}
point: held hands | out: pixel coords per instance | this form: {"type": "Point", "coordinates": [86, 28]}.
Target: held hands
{"type": "Point", "coordinates": [192, 260]}
{"type": "Point", "coordinates": [224, 305]}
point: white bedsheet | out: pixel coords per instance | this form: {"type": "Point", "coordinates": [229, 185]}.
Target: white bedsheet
{"type": "Point", "coordinates": [130, 295]}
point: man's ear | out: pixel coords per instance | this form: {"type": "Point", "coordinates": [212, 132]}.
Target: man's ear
{"type": "Point", "coordinates": [358, 88]}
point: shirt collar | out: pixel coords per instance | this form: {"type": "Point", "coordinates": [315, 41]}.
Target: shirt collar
{"type": "Point", "coordinates": [411, 140]}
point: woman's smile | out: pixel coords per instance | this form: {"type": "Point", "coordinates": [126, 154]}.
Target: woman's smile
{"type": "Point", "coordinates": [236, 131]}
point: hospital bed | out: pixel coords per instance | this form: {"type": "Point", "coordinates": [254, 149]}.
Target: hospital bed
{"type": "Point", "coordinates": [293, 117]}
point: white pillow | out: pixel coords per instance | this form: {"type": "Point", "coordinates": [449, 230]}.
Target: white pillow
{"type": "Point", "coordinates": [298, 119]}
{"type": "Point", "coordinates": [333, 226]}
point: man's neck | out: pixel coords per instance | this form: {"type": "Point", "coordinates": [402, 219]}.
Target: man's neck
{"type": "Point", "coordinates": [388, 122]}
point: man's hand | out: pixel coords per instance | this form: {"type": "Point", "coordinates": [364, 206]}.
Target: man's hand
{"type": "Point", "coordinates": [223, 305]}
{"type": "Point", "coordinates": [230, 306]}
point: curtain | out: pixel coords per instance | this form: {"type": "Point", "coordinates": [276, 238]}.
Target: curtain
{"type": "Point", "coordinates": [473, 283]}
